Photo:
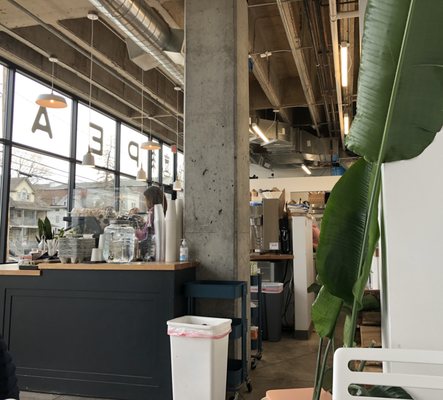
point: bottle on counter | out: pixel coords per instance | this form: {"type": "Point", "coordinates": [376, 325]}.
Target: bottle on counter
{"type": "Point", "coordinates": [184, 251]}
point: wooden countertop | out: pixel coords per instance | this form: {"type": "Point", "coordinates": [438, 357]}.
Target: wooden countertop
{"type": "Point", "coordinates": [270, 257]}
{"type": "Point", "coordinates": [136, 266]}
{"type": "Point", "coordinates": [13, 270]}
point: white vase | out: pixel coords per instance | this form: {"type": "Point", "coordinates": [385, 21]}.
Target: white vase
{"type": "Point", "coordinates": [52, 246]}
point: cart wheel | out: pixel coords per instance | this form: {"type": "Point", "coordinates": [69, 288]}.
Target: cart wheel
{"type": "Point", "coordinates": [249, 386]}
{"type": "Point", "coordinates": [254, 364]}
{"type": "Point", "coordinates": [258, 356]}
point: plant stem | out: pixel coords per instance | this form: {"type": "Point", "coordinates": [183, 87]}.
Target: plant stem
{"type": "Point", "coordinates": [318, 386]}
{"type": "Point", "coordinates": [317, 365]}
{"type": "Point", "coordinates": [373, 199]}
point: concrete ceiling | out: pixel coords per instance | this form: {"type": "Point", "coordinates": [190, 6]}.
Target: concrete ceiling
{"type": "Point", "coordinates": [294, 76]}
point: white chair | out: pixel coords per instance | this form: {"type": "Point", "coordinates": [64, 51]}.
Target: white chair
{"type": "Point", "coordinates": [343, 376]}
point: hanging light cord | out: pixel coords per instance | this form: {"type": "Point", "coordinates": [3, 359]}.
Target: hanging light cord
{"type": "Point", "coordinates": [142, 113]}
{"type": "Point", "coordinates": [90, 83]}
{"type": "Point", "coordinates": [52, 77]}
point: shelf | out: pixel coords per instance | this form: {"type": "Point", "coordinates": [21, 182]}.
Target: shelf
{"type": "Point", "coordinates": [235, 373]}
{"type": "Point", "coordinates": [214, 289]}
{"type": "Point", "coordinates": [236, 328]}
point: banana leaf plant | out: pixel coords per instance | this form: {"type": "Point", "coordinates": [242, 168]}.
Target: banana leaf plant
{"type": "Point", "coordinates": [399, 111]}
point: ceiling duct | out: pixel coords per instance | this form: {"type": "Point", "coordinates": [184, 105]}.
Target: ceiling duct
{"type": "Point", "coordinates": [148, 31]}
{"type": "Point", "coordinates": [279, 135]}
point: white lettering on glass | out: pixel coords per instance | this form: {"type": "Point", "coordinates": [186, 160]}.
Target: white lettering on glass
{"type": "Point", "coordinates": [42, 112]}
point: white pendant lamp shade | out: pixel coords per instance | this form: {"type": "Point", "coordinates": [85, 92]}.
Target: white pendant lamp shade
{"type": "Point", "coordinates": [51, 100]}
{"type": "Point", "coordinates": [88, 159]}
{"type": "Point", "coordinates": [141, 174]}
{"type": "Point", "coordinates": [177, 185]}
{"type": "Point", "coordinates": [150, 145]}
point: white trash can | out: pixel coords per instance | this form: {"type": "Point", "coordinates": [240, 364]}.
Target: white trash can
{"type": "Point", "coordinates": [199, 357]}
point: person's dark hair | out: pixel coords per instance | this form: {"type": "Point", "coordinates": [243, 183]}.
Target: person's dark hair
{"type": "Point", "coordinates": [154, 195]}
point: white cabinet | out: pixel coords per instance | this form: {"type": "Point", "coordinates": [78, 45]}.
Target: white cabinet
{"type": "Point", "coordinates": [304, 274]}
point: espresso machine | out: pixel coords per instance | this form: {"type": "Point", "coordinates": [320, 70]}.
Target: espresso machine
{"type": "Point", "coordinates": [264, 226]}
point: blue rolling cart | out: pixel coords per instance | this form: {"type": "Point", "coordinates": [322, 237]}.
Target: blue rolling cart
{"type": "Point", "coordinates": [230, 290]}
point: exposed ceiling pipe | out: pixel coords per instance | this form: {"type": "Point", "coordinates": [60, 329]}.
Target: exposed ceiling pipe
{"type": "Point", "coordinates": [155, 98]}
{"type": "Point", "coordinates": [336, 55]}
{"type": "Point", "coordinates": [145, 29]}
{"type": "Point", "coordinates": [294, 40]}
{"type": "Point", "coordinates": [262, 77]}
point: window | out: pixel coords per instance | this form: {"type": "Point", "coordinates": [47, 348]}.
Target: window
{"type": "Point", "coordinates": [94, 188]}
{"type": "Point", "coordinates": [155, 167]}
{"type": "Point", "coordinates": [43, 128]}
{"type": "Point", "coordinates": [96, 130]}
{"type": "Point", "coordinates": [180, 167]}
{"type": "Point", "coordinates": [35, 180]}
{"type": "Point", "coordinates": [131, 195]}
{"type": "Point", "coordinates": [167, 165]}
{"type": "Point", "coordinates": [132, 157]}
{"type": "Point", "coordinates": [3, 80]}
{"type": "Point", "coordinates": [24, 195]}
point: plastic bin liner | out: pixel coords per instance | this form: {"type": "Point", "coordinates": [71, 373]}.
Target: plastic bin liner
{"type": "Point", "coordinates": [199, 327]}
{"type": "Point", "coordinates": [272, 287]}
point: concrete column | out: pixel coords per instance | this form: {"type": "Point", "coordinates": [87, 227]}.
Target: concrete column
{"type": "Point", "coordinates": [216, 213]}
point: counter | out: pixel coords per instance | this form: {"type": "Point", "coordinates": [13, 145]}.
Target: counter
{"type": "Point", "coordinates": [96, 330]}
{"type": "Point", "coordinates": [13, 270]}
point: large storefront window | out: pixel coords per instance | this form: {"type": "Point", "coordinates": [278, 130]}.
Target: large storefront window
{"type": "Point", "coordinates": [39, 189]}
{"type": "Point", "coordinates": [131, 196]}
{"type": "Point", "coordinates": [155, 165]}
{"type": "Point", "coordinates": [97, 131]}
{"type": "Point", "coordinates": [180, 167]}
{"type": "Point", "coordinates": [39, 127]}
{"type": "Point", "coordinates": [167, 165]}
{"type": "Point", "coordinates": [3, 80]}
{"type": "Point", "coordinates": [132, 156]}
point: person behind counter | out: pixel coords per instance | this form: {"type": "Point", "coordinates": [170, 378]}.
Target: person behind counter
{"type": "Point", "coordinates": [153, 195]}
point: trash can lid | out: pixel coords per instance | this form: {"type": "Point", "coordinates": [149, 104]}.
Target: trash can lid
{"type": "Point", "coordinates": [199, 327]}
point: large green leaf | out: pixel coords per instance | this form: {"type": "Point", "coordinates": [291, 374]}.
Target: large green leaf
{"type": "Point", "coordinates": [325, 312]}
{"type": "Point", "coordinates": [400, 86]}
{"type": "Point", "coordinates": [344, 227]}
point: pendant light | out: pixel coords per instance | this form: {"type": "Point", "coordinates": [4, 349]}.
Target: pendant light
{"type": "Point", "coordinates": [88, 158]}
{"type": "Point", "coordinates": [141, 174]}
{"type": "Point", "coordinates": [177, 185]}
{"type": "Point", "coordinates": [151, 145]}
{"type": "Point", "coordinates": [51, 100]}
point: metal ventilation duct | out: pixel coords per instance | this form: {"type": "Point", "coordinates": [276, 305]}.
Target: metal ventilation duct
{"type": "Point", "coordinates": [146, 29]}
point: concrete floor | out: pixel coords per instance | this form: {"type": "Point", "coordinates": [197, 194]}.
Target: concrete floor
{"type": "Point", "coordinates": [284, 364]}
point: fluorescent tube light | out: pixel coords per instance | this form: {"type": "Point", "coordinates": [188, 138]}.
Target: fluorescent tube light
{"type": "Point", "coordinates": [346, 123]}
{"type": "Point", "coordinates": [306, 169]}
{"type": "Point", "coordinates": [344, 63]}
{"type": "Point", "coordinates": [260, 133]}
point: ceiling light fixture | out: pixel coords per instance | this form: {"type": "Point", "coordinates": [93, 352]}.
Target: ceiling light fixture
{"type": "Point", "coordinates": [141, 174]}
{"type": "Point", "coordinates": [346, 123]}
{"type": "Point", "coordinates": [259, 132]}
{"type": "Point", "coordinates": [51, 100]}
{"type": "Point", "coordinates": [151, 145]}
{"type": "Point", "coordinates": [344, 63]}
{"type": "Point", "coordinates": [177, 185]}
{"type": "Point", "coordinates": [88, 158]}
{"type": "Point", "coordinates": [306, 169]}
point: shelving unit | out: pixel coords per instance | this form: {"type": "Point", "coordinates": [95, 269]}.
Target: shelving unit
{"type": "Point", "coordinates": [256, 319]}
{"type": "Point", "coordinates": [228, 290]}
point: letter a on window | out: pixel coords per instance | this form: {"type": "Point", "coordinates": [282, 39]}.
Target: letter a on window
{"type": "Point", "coordinates": [46, 127]}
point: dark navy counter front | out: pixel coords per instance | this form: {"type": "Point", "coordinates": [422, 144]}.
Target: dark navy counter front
{"type": "Point", "coordinates": [96, 330]}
